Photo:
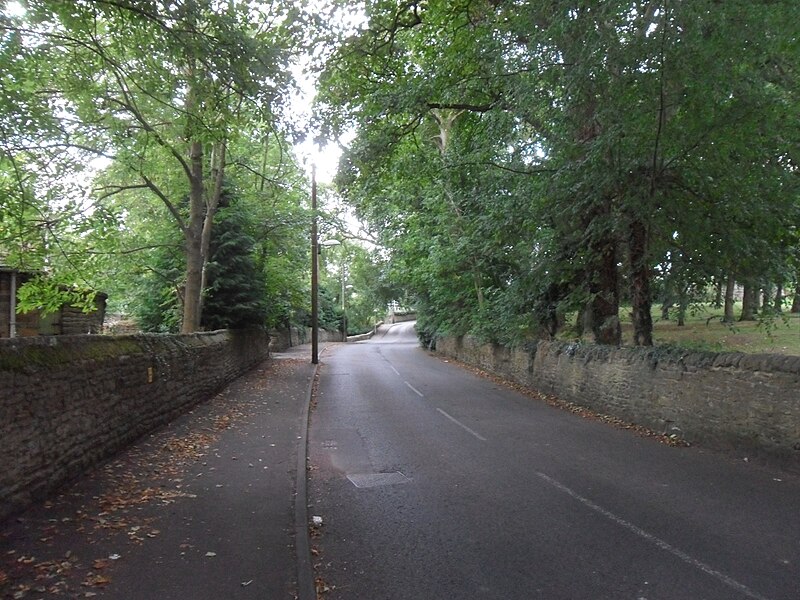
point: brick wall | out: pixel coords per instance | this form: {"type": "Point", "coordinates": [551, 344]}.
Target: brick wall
{"type": "Point", "coordinates": [748, 402]}
{"type": "Point", "coordinates": [67, 403]}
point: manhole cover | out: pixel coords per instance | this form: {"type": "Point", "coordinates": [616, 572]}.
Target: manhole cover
{"type": "Point", "coordinates": [368, 480]}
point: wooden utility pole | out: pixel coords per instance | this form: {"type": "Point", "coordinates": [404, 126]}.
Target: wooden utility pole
{"type": "Point", "coordinates": [314, 271]}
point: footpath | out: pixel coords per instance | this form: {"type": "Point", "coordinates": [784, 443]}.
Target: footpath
{"type": "Point", "coordinates": [205, 508]}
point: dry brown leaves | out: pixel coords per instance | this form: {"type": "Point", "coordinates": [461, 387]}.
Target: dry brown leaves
{"type": "Point", "coordinates": [194, 445]}
{"type": "Point", "coordinates": [148, 475]}
{"type": "Point", "coordinates": [321, 587]}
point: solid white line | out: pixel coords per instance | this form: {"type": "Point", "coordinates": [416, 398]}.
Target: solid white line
{"type": "Point", "coordinates": [732, 583]}
{"type": "Point", "coordinates": [460, 424]}
{"type": "Point", "coordinates": [416, 391]}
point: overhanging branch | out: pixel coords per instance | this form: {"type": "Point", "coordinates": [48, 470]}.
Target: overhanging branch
{"type": "Point", "coordinates": [477, 108]}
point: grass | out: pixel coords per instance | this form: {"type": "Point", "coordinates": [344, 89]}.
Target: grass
{"type": "Point", "coordinates": [704, 330]}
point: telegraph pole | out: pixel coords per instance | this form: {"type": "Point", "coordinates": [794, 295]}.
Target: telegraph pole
{"type": "Point", "coordinates": [314, 271]}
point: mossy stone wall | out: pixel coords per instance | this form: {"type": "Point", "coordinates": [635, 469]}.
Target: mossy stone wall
{"type": "Point", "coordinates": [69, 402]}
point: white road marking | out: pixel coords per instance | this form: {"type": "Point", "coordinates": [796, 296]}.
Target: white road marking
{"type": "Point", "coordinates": [460, 424]}
{"type": "Point", "coordinates": [416, 391]}
{"type": "Point", "coordinates": [732, 583]}
{"type": "Point", "coordinates": [391, 366]}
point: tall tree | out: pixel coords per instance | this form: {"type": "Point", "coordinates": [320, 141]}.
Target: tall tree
{"type": "Point", "coordinates": [163, 88]}
{"type": "Point", "coordinates": [618, 134]}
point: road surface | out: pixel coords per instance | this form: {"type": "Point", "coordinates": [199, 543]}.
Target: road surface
{"type": "Point", "coordinates": [434, 483]}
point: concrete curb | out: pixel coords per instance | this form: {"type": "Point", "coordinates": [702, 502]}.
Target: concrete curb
{"type": "Point", "coordinates": [306, 590]}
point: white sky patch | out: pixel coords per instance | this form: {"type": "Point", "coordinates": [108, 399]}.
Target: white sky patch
{"type": "Point", "coordinates": [14, 9]}
{"type": "Point", "coordinates": [324, 157]}
{"type": "Point", "coordinates": [348, 21]}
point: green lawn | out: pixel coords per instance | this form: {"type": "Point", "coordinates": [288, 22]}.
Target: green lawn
{"type": "Point", "coordinates": [782, 337]}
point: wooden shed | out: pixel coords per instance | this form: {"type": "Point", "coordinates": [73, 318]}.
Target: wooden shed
{"type": "Point", "coordinates": [68, 320]}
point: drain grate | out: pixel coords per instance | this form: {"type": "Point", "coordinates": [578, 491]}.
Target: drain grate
{"type": "Point", "coordinates": [369, 480]}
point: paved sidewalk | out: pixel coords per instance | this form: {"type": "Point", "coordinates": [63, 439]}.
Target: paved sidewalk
{"type": "Point", "coordinates": [202, 509]}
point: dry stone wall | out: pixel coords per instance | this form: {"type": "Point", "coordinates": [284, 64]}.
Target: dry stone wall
{"type": "Point", "coordinates": [747, 402]}
{"type": "Point", "coordinates": [283, 339]}
{"type": "Point", "coordinates": [68, 402]}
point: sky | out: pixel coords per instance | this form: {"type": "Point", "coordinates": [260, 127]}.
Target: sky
{"type": "Point", "coordinates": [326, 158]}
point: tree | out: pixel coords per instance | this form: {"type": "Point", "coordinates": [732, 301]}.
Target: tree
{"type": "Point", "coordinates": [144, 270]}
{"type": "Point", "coordinates": [617, 136]}
{"type": "Point", "coordinates": [235, 293]}
{"type": "Point", "coordinates": [163, 89]}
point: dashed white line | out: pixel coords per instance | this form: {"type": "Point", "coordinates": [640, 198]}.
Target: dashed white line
{"type": "Point", "coordinates": [460, 424]}
{"type": "Point", "coordinates": [416, 391]}
{"type": "Point", "coordinates": [391, 366]}
{"type": "Point", "coordinates": [658, 542]}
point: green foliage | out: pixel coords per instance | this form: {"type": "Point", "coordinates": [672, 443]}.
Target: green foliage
{"type": "Point", "coordinates": [170, 97]}
{"type": "Point", "coordinates": [47, 295]}
{"type": "Point", "coordinates": [523, 161]}
{"type": "Point", "coordinates": [155, 301]}
{"type": "Point", "coordinates": [355, 280]}
{"type": "Point", "coordinates": [234, 298]}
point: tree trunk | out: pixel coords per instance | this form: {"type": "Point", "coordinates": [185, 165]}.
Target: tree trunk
{"type": "Point", "coordinates": [192, 305]}
{"type": "Point", "coordinates": [718, 293]}
{"type": "Point", "coordinates": [756, 299]}
{"type": "Point", "coordinates": [665, 308]}
{"type": "Point", "coordinates": [729, 301]}
{"type": "Point", "coordinates": [211, 201]}
{"type": "Point", "coordinates": [604, 288]}
{"type": "Point", "coordinates": [796, 301]}
{"type": "Point", "coordinates": [779, 298]}
{"type": "Point", "coordinates": [641, 302]}
{"type": "Point", "coordinates": [553, 319]}
{"type": "Point", "coordinates": [748, 300]}
{"type": "Point", "coordinates": [580, 321]}
{"type": "Point", "coordinates": [683, 305]}
{"type": "Point", "coordinates": [766, 299]}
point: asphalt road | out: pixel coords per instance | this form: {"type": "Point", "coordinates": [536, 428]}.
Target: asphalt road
{"type": "Point", "coordinates": [434, 483]}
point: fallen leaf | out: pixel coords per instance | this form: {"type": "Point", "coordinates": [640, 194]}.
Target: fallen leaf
{"type": "Point", "coordinates": [100, 563]}
{"type": "Point", "coordinates": [96, 581]}
{"type": "Point", "coordinates": [321, 586]}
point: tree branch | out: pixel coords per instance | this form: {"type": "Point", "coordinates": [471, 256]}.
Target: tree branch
{"type": "Point", "coordinates": [478, 108]}
{"type": "Point", "coordinates": [167, 202]}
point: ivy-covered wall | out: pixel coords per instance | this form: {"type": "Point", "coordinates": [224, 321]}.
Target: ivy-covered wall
{"type": "Point", "coordinates": [746, 402]}
{"type": "Point", "coordinates": [67, 403]}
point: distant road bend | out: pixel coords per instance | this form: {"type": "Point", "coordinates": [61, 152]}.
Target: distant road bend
{"type": "Point", "coordinates": [435, 484]}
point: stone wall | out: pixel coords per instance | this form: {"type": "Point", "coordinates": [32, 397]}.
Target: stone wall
{"type": "Point", "coordinates": [400, 317]}
{"type": "Point", "coordinates": [283, 339]}
{"type": "Point", "coordinates": [67, 403]}
{"type": "Point", "coordinates": [747, 402]}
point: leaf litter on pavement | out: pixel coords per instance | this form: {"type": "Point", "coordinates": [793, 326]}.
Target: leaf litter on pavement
{"type": "Point", "coordinates": [113, 508]}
